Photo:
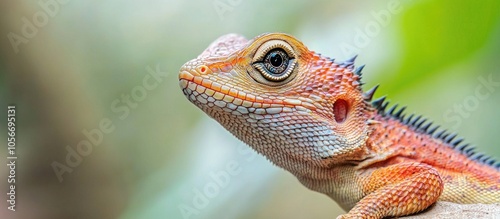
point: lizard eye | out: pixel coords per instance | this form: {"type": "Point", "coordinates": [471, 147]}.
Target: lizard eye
{"type": "Point", "coordinates": [275, 61]}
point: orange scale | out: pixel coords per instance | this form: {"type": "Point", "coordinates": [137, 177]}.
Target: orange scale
{"type": "Point", "coordinates": [277, 102]}
{"type": "Point", "coordinates": [216, 86]}
{"type": "Point", "coordinates": [198, 80]}
{"type": "Point", "coordinates": [233, 92]}
{"type": "Point", "coordinates": [206, 83]}
{"type": "Point", "coordinates": [259, 100]}
{"type": "Point", "coordinates": [242, 95]}
{"type": "Point", "coordinates": [268, 101]}
{"type": "Point", "coordinates": [250, 97]}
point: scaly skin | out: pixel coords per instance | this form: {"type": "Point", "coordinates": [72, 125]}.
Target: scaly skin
{"type": "Point", "coordinates": [309, 115]}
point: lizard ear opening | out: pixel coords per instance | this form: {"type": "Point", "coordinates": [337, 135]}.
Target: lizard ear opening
{"type": "Point", "coordinates": [340, 110]}
{"type": "Point", "coordinates": [275, 61]}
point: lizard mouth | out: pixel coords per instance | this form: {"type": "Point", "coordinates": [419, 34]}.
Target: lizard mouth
{"type": "Point", "coordinates": [199, 90]}
{"type": "Point", "coordinates": [205, 91]}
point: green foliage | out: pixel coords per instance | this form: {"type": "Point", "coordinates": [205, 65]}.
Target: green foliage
{"type": "Point", "coordinates": [437, 34]}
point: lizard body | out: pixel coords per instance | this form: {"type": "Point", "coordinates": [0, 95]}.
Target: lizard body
{"type": "Point", "coordinates": [309, 115]}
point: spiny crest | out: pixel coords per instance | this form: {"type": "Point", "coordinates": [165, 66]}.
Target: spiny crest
{"type": "Point", "coordinates": [359, 69]}
{"type": "Point", "coordinates": [368, 95]}
{"type": "Point", "coordinates": [420, 124]}
{"type": "Point", "coordinates": [349, 64]}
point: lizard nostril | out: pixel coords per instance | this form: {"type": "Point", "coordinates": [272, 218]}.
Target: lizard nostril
{"type": "Point", "coordinates": [203, 69]}
{"type": "Point", "coordinates": [340, 110]}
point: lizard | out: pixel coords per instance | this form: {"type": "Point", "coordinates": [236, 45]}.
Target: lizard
{"type": "Point", "coordinates": [309, 115]}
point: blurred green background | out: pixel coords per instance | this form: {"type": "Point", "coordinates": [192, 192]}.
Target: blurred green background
{"type": "Point", "coordinates": [75, 67]}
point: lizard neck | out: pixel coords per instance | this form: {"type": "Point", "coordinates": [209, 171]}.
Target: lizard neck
{"type": "Point", "coordinates": [335, 182]}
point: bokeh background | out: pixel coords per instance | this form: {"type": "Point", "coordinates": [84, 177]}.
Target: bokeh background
{"type": "Point", "coordinates": [86, 56]}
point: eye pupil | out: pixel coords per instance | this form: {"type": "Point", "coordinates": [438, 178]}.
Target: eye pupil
{"type": "Point", "coordinates": [276, 59]}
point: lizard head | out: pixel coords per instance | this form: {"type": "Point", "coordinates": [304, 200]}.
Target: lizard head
{"type": "Point", "coordinates": [285, 101]}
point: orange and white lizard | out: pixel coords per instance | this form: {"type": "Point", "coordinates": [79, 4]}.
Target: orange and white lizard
{"type": "Point", "coordinates": [309, 115]}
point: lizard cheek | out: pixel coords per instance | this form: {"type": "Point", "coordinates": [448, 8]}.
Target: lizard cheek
{"type": "Point", "coordinates": [340, 110]}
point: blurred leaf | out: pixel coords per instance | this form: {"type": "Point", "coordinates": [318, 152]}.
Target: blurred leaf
{"type": "Point", "coordinates": [437, 34]}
